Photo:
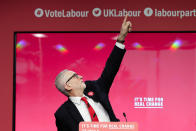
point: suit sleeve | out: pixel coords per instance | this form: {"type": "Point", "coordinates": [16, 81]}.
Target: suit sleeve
{"type": "Point", "coordinates": [111, 68]}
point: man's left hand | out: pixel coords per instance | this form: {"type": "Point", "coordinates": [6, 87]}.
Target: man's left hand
{"type": "Point", "coordinates": [125, 28]}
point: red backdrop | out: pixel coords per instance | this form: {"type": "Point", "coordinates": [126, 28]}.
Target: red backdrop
{"type": "Point", "coordinates": [152, 70]}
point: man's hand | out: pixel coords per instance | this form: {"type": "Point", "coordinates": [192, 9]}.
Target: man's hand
{"type": "Point", "coordinates": [126, 27]}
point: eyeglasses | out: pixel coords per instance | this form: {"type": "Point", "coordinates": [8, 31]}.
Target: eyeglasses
{"type": "Point", "coordinates": [74, 75]}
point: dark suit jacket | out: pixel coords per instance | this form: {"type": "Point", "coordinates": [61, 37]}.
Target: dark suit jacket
{"type": "Point", "coordinates": [68, 116]}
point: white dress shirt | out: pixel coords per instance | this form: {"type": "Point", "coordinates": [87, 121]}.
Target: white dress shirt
{"type": "Point", "coordinates": [98, 108]}
{"type": "Point", "coordinates": [119, 45]}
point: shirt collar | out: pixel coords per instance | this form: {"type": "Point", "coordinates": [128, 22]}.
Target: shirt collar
{"type": "Point", "coordinates": [77, 99]}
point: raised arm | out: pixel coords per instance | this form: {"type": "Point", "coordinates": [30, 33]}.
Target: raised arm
{"type": "Point", "coordinates": [113, 62]}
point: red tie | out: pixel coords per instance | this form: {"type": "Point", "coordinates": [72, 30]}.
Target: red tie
{"type": "Point", "coordinates": [90, 109]}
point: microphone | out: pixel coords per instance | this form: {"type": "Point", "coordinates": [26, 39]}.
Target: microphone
{"type": "Point", "coordinates": [125, 116]}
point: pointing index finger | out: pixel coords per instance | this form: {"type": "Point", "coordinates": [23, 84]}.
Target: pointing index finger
{"type": "Point", "coordinates": [125, 19]}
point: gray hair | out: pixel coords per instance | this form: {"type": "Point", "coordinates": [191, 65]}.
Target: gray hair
{"type": "Point", "coordinates": [60, 81]}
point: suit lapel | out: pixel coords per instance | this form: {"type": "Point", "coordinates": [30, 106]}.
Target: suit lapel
{"type": "Point", "coordinates": [98, 96]}
{"type": "Point", "coordinates": [74, 112]}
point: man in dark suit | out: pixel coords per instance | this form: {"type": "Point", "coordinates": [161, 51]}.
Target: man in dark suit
{"type": "Point", "coordinates": [88, 101]}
